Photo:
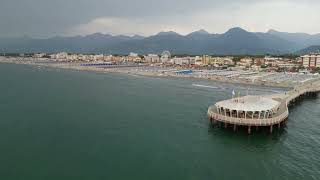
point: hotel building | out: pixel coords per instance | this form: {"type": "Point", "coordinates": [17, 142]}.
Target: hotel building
{"type": "Point", "coordinates": [311, 60]}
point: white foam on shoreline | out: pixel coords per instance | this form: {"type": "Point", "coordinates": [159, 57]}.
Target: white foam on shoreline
{"type": "Point", "coordinates": [199, 85]}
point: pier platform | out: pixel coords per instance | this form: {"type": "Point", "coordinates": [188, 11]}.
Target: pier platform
{"type": "Point", "coordinates": [265, 110]}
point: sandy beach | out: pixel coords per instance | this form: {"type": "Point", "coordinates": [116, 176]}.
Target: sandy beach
{"type": "Point", "coordinates": [151, 72]}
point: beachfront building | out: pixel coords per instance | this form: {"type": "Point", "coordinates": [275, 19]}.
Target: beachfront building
{"type": "Point", "coordinates": [198, 61]}
{"type": "Point", "coordinates": [83, 57]}
{"type": "Point", "coordinates": [183, 60]}
{"type": "Point", "coordinates": [270, 58]}
{"type": "Point", "coordinates": [205, 59]}
{"type": "Point", "coordinates": [152, 58]}
{"type": "Point", "coordinates": [246, 62]}
{"type": "Point", "coordinates": [272, 61]}
{"type": "Point", "coordinates": [98, 57]}
{"type": "Point", "coordinates": [132, 54]}
{"type": "Point", "coordinates": [61, 56]}
{"type": "Point", "coordinates": [107, 58]}
{"type": "Point", "coordinates": [133, 57]}
{"type": "Point", "coordinates": [216, 61]}
{"type": "Point", "coordinates": [116, 58]}
{"type": "Point", "coordinates": [39, 55]}
{"type": "Point", "coordinates": [311, 60]}
{"type": "Point", "coordinates": [72, 57]}
{"type": "Point", "coordinates": [259, 61]}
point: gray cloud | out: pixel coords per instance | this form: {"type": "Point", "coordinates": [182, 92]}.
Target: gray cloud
{"type": "Point", "coordinates": [44, 18]}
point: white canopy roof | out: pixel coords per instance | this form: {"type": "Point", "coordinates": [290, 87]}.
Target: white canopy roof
{"type": "Point", "coordinates": [249, 103]}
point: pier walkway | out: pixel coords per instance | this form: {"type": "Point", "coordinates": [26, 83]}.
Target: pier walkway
{"type": "Point", "coordinates": [285, 99]}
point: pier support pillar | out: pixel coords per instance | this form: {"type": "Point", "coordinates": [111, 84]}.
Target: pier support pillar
{"type": "Point", "coordinates": [271, 129]}
{"type": "Point", "coordinates": [249, 129]}
{"type": "Point", "coordinates": [211, 121]}
{"type": "Point", "coordinates": [234, 127]}
{"type": "Point", "coordinates": [257, 128]}
{"type": "Point", "coordinates": [225, 125]}
{"type": "Point", "coordinates": [279, 125]}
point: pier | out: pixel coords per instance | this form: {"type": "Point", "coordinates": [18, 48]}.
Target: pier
{"type": "Point", "coordinates": [256, 111]}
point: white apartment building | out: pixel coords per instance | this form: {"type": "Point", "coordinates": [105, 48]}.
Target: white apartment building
{"type": "Point", "coordinates": [39, 55]}
{"type": "Point", "coordinates": [72, 57]}
{"type": "Point", "coordinates": [245, 62]}
{"type": "Point", "coordinates": [59, 56]}
{"type": "Point", "coordinates": [198, 61]}
{"type": "Point", "coordinates": [311, 60]}
{"type": "Point", "coordinates": [183, 60]}
{"type": "Point", "coordinates": [132, 54]}
{"type": "Point", "coordinates": [98, 57]}
{"type": "Point", "coordinates": [152, 58]}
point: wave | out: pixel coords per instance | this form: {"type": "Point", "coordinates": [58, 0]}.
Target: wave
{"type": "Point", "coordinates": [199, 85]}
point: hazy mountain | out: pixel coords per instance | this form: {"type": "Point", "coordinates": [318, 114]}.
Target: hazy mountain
{"type": "Point", "coordinates": [94, 43]}
{"type": "Point", "coordinates": [199, 33]}
{"type": "Point", "coordinates": [239, 41]}
{"type": "Point", "coordinates": [168, 33]}
{"type": "Point", "coordinates": [302, 40]}
{"type": "Point", "coordinates": [234, 41]}
{"type": "Point", "coordinates": [137, 37]}
{"type": "Point", "coordinates": [310, 49]}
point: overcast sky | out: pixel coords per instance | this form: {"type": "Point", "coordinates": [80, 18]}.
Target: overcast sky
{"type": "Point", "coordinates": [47, 18]}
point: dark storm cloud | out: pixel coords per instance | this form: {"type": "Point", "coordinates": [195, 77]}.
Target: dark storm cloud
{"type": "Point", "coordinates": [53, 17]}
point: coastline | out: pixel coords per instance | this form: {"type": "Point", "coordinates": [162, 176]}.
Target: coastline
{"type": "Point", "coordinates": [77, 66]}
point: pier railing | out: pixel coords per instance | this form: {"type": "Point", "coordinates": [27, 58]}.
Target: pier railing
{"type": "Point", "coordinates": [249, 121]}
{"type": "Point", "coordinates": [293, 94]}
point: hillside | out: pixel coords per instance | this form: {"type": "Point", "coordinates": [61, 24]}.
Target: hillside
{"type": "Point", "coordinates": [235, 41]}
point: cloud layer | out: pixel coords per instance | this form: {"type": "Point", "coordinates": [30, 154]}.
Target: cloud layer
{"type": "Point", "coordinates": [44, 18]}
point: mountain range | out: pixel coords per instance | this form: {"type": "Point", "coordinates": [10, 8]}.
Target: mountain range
{"type": "Point", "coordinates": [235, 41]}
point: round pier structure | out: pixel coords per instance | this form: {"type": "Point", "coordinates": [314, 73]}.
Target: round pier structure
{"type": "Point", "coordinates": [249, 111]}
{"type": "Point", "coordinates": [266, 110]}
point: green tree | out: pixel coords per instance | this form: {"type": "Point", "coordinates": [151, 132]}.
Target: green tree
{"type": "Point", "coordinates": [236, 59]}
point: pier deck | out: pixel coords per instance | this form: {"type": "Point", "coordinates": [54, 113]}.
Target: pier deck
{"type": "Point", "coordinates": [285, 99]}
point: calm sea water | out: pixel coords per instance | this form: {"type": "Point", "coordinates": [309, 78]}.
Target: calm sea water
{"type": "Point", "coordinates": [59, 124]}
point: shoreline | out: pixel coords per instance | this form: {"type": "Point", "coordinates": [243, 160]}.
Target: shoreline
{"type": "Point", "coordinates": [77, 66]}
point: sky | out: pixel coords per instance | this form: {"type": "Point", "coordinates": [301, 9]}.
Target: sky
{"type": "Point", "coordinates": [49, 18]}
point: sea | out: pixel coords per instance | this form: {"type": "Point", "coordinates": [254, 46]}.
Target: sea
{"type": "Point", "coordinates": [76, 125]}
